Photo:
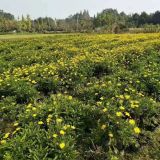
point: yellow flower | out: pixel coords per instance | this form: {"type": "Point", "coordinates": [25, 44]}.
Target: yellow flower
{"type": "Point", "coordinates": [62, 145]}
{"type": "Point", "coordinates": [133, 90]}
{"type": "Point", "coordinates": [134, 104]}
{"type": "Point", "coordinates": [99, 103]}
{"type": "Point", "coordinates": [62, 132]}
{"type": "Point", "coordinates": [3, 141]}
{"type": "Point", "coordinates": [127, 114]}
{"type": "Point", "coordinates": [68, 126]}
{"type": "Point", "coordinates": [50, 116]}
{"type": "Point", "coordinates": [103, 126]}
{"type": "Point", "coordinates": [15, 124]}
{"type": "Point", "coordinates": [145, 75]}
{"type": "Point", "coordinates": [40, 123]}
{"type": "Point", "coordinates": [65, 127]}
{"type": "Point", "coordinates": [48, 120]}
{"type": "Point", "coordinates": [6, 135]}
{"type": "Point", "coordinates": [122, 108]}
{"type": "Point", "coordinates": [103, 85]}
{"type": "Point", "coordinates": [59, 94]}
{"type": "Point", "coordinates": [34, 108]}
{"type": "Point", "coordinates": [132, 122]}
{"type": "Point", "coordinates": [119, 114]}
{"type": "Point", "coordinates": [127, 97]}
{"type": "Point", "coordinates": [70, 98]}
{"type": "Point", "coordinates": [29, 105]}
{"type": "Point", "coordinates": [118, 84]}
{"type": "Point", "coordinates": [109, 82]}
{"type": "Point", "coordinates": [121, 97]}
{"type": "Point", "coordinates": [28, 110]}
{"type": "Point", "coordinates": [17, 129]}
{"type": "Point", "coordinates": [102, 98]}
{"type": "Point", "coordinates": [58, 120]}
{"type": "Point", "coordinates": [120, 101]}
{"type": "Point", "coordinates": [110, 135]}
{"type": "Point", "coordinates": [137, 102]}
{"type": "Point", "coordinates": [138, 81]}
{"type": "Point", "coordinates": [73, 127]}
{"type": "Point", "coordinates": [34, 115]}
{"type": "Point", "coordinates": [137, 130]}
{"type": "Point", "coordinates": [140, 94]}
{"type": "Point", "coordinates": [34, 82]}
{"type": "Point", "coordinates": [55, 135]}
{"type": "Point", "coordinates": [105, 110]}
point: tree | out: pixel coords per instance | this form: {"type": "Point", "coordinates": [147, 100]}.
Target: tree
{"type": "Point", "coordinates": [143, 19]}
{"type": "Point", "coordinates": [156, 18]}
{"type": "Point", "coordinates": [28, 24]}
{"type": "Point", "coordinates": [23, 24]}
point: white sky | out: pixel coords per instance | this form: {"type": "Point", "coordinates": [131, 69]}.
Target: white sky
{"type": "Point", "coordinates": [64, 8]}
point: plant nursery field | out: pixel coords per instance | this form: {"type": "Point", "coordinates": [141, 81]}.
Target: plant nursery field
{"type": "Point", "coordinates": [80, 97]}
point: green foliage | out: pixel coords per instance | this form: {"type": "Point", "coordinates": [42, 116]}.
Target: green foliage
{"type": "Point", "coordinates": [80, 97]}
{"type": "Point", "coordinates": [107, 21]}
{"type": "Point", "coordinates": [21, 90]}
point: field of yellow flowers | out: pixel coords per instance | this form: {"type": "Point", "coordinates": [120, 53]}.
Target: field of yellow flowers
{"type": "Point", "coordinates": [80, 97]}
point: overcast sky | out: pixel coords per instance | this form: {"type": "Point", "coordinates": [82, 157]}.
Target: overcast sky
{"type": "Point", "coordinates": [64, 8]}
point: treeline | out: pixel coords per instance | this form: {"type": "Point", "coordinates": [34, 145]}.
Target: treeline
{"type": "Point", "coordinates": [109, 20]}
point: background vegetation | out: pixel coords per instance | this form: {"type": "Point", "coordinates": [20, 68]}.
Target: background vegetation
{"type": "Point", "coordinates": [109, 20]}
